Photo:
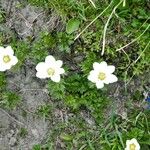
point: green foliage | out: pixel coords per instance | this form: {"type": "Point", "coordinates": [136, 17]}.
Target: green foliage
{"type": "Point", "coordinates": [116, 133]}
{"type": "Point", "coordinates": [44, 111]}
{"type": "Point", "coordinates": [56, 90]}
{"type": "Point", "coordinates": [64, 42]}
{"type": "Point", "coordinates": [36, 147]}
{"type": "Point", "coordinates": [126, 25]}
{"type": "Point", "coordinates": [66, 8]}
{"type": "Point", "coordinates": [21, 50]}
{"type": "Point", "coordinates": [77, 95]}
{"type": "Point", "coordinates": [111, 135]}
{"type": "Point", "coordinates": [2, 82]}
{"type": "Point", "coordinates": [66, 137]}
{"type": "Point", "coordinates": [9, 99]}
{"type": "Point", "coordinates": [42, 46]}
{"type": "Point", "coordinates": [23, 132]}
{"type": "Point", "coordinates": [2, 16]}
{"type": "Point", "coordinates": [73, 134]}
{"type": "Point", "coordinates": [137, 96]}
{"type": "Point", "coordinates": [87, 64]}
{"type": "Point", "coordinates": [72, 25]}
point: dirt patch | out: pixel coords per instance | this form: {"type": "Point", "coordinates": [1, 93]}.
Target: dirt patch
{"type": "Point", "coordinates": [11, 122]}
{"type": "Point", "coordinates": [27, 20]}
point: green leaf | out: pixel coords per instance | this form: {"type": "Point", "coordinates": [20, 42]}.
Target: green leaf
{"type": "Point", "coordinates": [36, 147]}
{"type": "Point", "coordinates": [72, 25]}
{"type": "Point", "coordinates": [66, 137]}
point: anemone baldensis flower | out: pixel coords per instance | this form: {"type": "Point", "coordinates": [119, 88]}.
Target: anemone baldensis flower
{"type": "Point", "coordinates": [132, 145]}
{"type": "Point", "coordinates": [7, 58]}
{"type": "Point", "coordinates": [51, 68]}
{"type": "Point", "coordinates": [102, 74]}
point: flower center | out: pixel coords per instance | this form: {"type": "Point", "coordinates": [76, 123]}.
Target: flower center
{"type": "Point", "coordinates": [101, 76]}
{"type": "Point", "coordinates": [132, 146]}
{"type": "Point", "coordinates": [6, 59]}
{"type": "Point", "coordinates": [51, 71]}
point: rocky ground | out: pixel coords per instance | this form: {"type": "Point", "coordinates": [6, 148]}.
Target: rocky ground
{"type": "Point", "coordinates": [25, 21]}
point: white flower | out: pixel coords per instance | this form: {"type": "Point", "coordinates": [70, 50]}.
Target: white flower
{"type": "Point", "coordinates": [50, 69]}
{"type": "Point", "coordinates": [101, 74]}
{"type": "Point", "coordinates": [7, 58]}
{"type": "Point", "coordinates": [132, 145]}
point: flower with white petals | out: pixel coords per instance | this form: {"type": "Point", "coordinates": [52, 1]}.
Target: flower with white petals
{"type": "Point", "coordinates": [101, 74]}
{"type": "Point", "coordinates": [7, 58]}
{"type": "Point", "coordinates": [132, 145]}
{"type": "Point", "coordinates": [50, 69]}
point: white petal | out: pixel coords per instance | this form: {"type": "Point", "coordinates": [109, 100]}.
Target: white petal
{"type": "Point", "coordinates": [111, 68]}
{"type": "Point", "coordinates": [41, 75]}
{"type": "Point", "coordinates": [14, 60]}
{"type": "Point", "coordinates": [59, 63]}
{"type": "Point", "coordinates": [101, 67]}
{"type": "Point", "coordinates": [127, 145]}
{"type": "Point", "coordinates": [138, 146]}
{"type": "Point", "coordinates": [127, 142]}
{"type": "Point", "coordinates": [2, 67]}
{"type": "Point", "coordinates": [113, 78]}
{"type": "Point", "coordinates": [41, 66]}
{"type": "Point", "coordinates": [55, 78]}
{"type": "Point", "coordinates": [99, 84]}
{"type": "Point", "coordinates": [1, 49]}
{"type": "Point", "coordinates": [42, 70]}
{"type": "Point", "coordinates": [110, 79]}
{"type": "Point", "coordinates": [5, 67]}
{"type": "Point", "coordinates": [103, 63]}
{"type": "Point", "coordinates": [50, 60]}
{"type": "Point", "coordinates": [96, 65]}
{"type": "Point", "coordinates": [9, 50]}
{"type": "Point", "coordinates": [60, 71]}
{"type": "Point", "coordinates": [93, 76]}
{"type": "Point", "coordinates": [133, 140]}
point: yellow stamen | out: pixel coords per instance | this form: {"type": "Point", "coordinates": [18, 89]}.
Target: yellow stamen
{"type": "Point", "coordinates": [6, 59]}
{"type": "Point", "coordinates": [132, 146]}
{"type": "Point", "coordinates": [51, 71]}
{"type": "Point", "coordinates": [101, 76]}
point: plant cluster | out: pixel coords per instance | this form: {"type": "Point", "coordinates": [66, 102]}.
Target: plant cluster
{"type": "Point", "coordinates": [79, 45]}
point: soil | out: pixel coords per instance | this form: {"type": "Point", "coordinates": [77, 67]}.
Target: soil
{"type": "Point", "coordinates": [26, 21]}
